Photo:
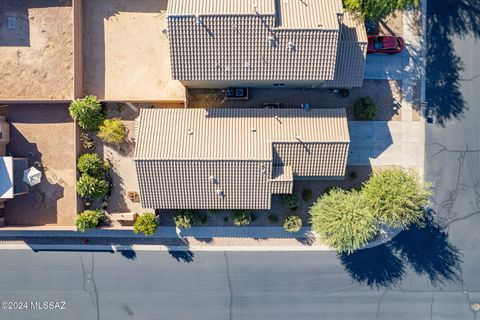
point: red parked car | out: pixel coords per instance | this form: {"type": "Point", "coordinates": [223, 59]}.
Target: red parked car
{"type": "Point", "coordinates": [385, 44]}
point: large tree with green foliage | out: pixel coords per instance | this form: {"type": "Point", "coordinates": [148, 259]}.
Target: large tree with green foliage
{"type": "Point", "coordinates": [397, 197]}
{"type": "Point", "coordinates": [89, 187]}
{"type": "Point", "coordinates": [88, 112]}
{"type": "Point", "coordinates": [91, 164]}
{"type": "Point", "coordinates": [343, 220]}
{"type": "Point", "coordinates": [376, 10]}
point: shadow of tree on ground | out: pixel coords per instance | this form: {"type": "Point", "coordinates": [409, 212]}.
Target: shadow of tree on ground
{"type": "Point", "coordinates": [426, 251]}
{"type": "Point", "coordinates": [447, 19]}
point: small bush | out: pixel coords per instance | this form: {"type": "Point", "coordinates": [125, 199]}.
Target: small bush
{"type": "Point", "coordinates": [272, 218]}
{"type": "Point", "coordinates": [184, 219]}
{"type": "Point", "coordinates": [353, 175]}
{"type": "Point", "coordinates": [88, 186]}
{"type": "Point", "coordinates": [88, 219]}
{"type": "Point", "coordinates": [146, 224]}
{"type": "Point", "coordinates": [91, 164]}
{"type": "Point", "coordinates": [112, 131]}
{"type": "Point", "coordinates": [292, 223]}
{"type": "Point", "coordinates": [225, 219]}
{"type": "Point", "coordinates": [365, 108]}
{"type": "Point", "coordinates": [88, 112]}
{"type": "Point", "coordinates": [242, 217]}
{"type": "Point", "coordinates": [307, 194]}
{"type": "Point", "coordinates": [291, 201]}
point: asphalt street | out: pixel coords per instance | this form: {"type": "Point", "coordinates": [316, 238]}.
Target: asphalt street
{"type": "Point", "coordinates": [429, 273]}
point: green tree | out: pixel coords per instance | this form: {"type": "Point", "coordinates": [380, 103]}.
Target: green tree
{"type": "Point", "coordinates": [112, 131]}
{"type": "Point", "coordinates": [292, 223]}
{"type": "Point", "coordinates": [365, 109]}
{"type": "Point", "coordinates": [397, 197]}
{"type": "Point", "coordinates": [184, 219]}
{"type": "Point", "coordinates": [88, 112]}
{"type": "Point", "coordinates": [377, 10]}
{"type": "Point", "coordinates": [242, 217]}
{"type": "Point", "coordinates": [146, 224]}
{"type": "Point", "coordinates": [89, 219]}
{"type": "Point", "coordinates": [88, 186]}
{"type": "Point", "coordinates": [343, 220]}
{"type": "Point", "coordinates": [91, 164]}
{"type": "Point", "coordinates": [291, 201]}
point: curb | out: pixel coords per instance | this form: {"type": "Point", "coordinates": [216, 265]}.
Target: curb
{"type": "Point", "coordinates": [160, 248]}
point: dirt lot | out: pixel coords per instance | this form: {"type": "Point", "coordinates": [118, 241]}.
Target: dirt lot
{"type": "Point", "coordinates": [126, 53]}
{"type": "Point", "coordinates": [37, 53]}
{"type": "Point", "coordinates": [43, 133]}
{"type": "Point", "coordinates": [383, 93]}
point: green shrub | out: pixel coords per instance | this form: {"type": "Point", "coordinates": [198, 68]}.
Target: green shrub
{"type": "Point", "coordinates": [88, 112]}
{"type": "Point", "coordinates": [112, 131]}
{"type": "Point", "coordinates": [343, 220]}
{"type": "Point", "coordinates": [353, 175]}
{"type": "Point", "coordinates": [88, 186]}
{"type": "Point", "coordinates": [365, 109]}
{"type": "Point", "coordinates": [88, 219]}
{"type": "Point", "coordinates": [292, 223]}
{"type": "Point", "coordinates": [397, 197]}
{"type": "Point", "coordinates": [184, 219]}
{"type": "Point", "coordinates": [242, 217]}
{"type": "Point", "coordinates": [91, 164]}
{"type": "Point", "coordinates": [307, 194]}
{"type": "Point", "coordinates": [272, 218]}
{"type": "Point", "coordinates": [146, 224]}
{"type": "Point", "coordinates": [225, 219]}
{"type": "Point", "coordinates": [376, 10]}
{"type": "Point", "coordinates": [291, 201]}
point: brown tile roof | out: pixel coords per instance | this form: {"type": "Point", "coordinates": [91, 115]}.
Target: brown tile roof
{"type": "Point", "coordinates": [228, 158]}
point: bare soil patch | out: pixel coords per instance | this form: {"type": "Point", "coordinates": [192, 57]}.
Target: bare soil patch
{"type": "Point", "coordinates": [37, 55]}
{"type": "Point", "coordinates": [43, 133]}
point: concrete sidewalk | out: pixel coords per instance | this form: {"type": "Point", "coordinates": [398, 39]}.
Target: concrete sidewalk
{"type": "Point", "coordinates": [172, 233]}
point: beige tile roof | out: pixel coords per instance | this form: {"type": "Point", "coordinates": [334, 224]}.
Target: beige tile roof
{"type": "Point", "coordinates": [351, 55]}
{"type": "Point", "coordinates": [227, 40]}
{"type": "Point", "coordinates": [233, 134]}
{"type": "Point", "coordinates": [229, 158]}
{"type": "Point", "coordinates": [220, 7]}
{"type": "Point", "coordinates": [309, 14]}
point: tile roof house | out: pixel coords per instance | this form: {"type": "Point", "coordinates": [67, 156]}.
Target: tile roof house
{"type": "Point", "coordinates": [297, 43]}
{"type": "Point", "coordinates": [234, 158]}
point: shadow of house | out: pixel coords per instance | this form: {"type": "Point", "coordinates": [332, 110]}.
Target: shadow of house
{"type": "Point", "coordinates": [15, 20]}
{"type": "Point", "coordinates": [453, 18]}
{"type": "Point", "coordinates": [426, 251]}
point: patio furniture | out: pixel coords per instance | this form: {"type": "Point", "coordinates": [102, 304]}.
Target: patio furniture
{"type": "Point", "coordinates": [32, 176]}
